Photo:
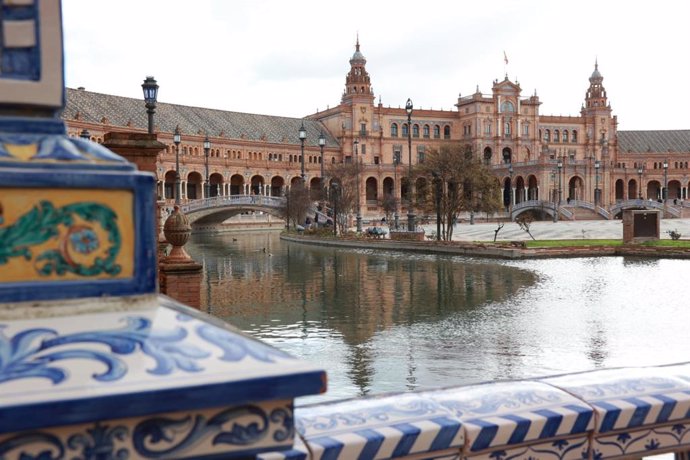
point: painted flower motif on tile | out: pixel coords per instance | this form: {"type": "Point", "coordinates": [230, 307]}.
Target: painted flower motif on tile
{"type": "Point", "coordinates": [83, 240]}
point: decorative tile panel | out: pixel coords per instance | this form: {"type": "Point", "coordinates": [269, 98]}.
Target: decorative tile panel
{"type": "Point", "coordinates": [222, 431]}
{"type": "Point", "coordinates": [386, 427]}
{"type": "Point", "coordinates": [31, 53]}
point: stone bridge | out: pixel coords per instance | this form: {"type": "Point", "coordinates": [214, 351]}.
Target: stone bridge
{"type": "Point", "coordinates": [216, 209]}
{"type": "Point", "coordinates": [564, 210]}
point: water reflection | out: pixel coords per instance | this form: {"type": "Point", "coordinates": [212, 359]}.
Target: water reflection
{"type": "Point", "coordinates": [385, 321]}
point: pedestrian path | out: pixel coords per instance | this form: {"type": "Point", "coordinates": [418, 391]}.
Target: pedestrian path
{"type": "Point", "coordinates": [563, 230]}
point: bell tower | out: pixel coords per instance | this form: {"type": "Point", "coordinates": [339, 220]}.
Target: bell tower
{"type": "Point", "coordinates": [357, 83]}
{"type": "Point", "coordinates": [596, 94]}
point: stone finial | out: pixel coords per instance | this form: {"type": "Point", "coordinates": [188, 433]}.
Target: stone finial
{"type": "Point", "coordinates": [177, 231]}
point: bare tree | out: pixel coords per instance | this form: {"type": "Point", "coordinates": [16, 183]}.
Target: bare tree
{"type": "Point", "coordinates": [344, 200]}
{"type": "Point", "coordinates": [466, 184]}
{"type": "Point", "coordinates": [498, 229]}
{"type": "Point", "coordinates": [297, 204]}
{"type": "Point", "coordinates": [524, 220]}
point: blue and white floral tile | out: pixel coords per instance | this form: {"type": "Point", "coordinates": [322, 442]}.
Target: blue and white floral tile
{"type": "Point", "coordinates": [640, 411]}
{"type": "Point", "coordinates": [237, 430]}
{"type": "Point", "coordinates": [570, 448]}
{"type": "Point", "coordinates": [497, 416]}
{"type": "Point", "coordinates": [385, 427]}
{"type": "Point", "coordinates": [625, 399]}
{"type": "Point", "coordinates": [298, 452]}
{"type": "Point", "coordinates": [162, 358]}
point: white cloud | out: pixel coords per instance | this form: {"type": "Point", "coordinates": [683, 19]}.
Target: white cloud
{"type": "Point", "coordinates": [290, 58]}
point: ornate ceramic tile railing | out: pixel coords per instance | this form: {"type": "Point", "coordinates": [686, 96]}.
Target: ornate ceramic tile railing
{"type": "Point", "coordinates": [607, 414]}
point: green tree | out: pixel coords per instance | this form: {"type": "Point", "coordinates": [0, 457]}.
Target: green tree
{"type": "Point", "coordinates": [467, 185]}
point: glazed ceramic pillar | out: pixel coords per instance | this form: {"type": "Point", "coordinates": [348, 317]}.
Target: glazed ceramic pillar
{"type": "Point", "coordinates": [93, 361]}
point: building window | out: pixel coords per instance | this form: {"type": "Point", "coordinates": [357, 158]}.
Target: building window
{"type": "Point", "coordinates": [405, 130]}
{"type": "Point", "coordinates": [446, 132]}
{"type": "Point", "coordinates": [376, 160]}
{"type": "Point", "coordinates": [437, 131]}
{"type": "Point", "coordinates": [420, 153]}
{"type": "Point", "coordinates": [487, 127]}
{"type": "Point", "coordinates": [525, 129]}
{"type": "Point", "coordinates": [415, 130]}
{"type": "Point", "coordinates": [363, 129]}
{"type": "Point", "coordinates": [565, 135]}
{"type": "Point", "coordinates": [574, 138]}
{"type": "Point", "coordinates": [506, 128]}
{"type": "Point", "coordinates": [364, 149]}
{"type": "Point", "coordinates": [556, 136]}
{"type": "Point", "coordinates": [426, 131]}
{"type": "Point", "coordinates": [394, 130]}
{"type": "Point", "coordinates": [547, 135]}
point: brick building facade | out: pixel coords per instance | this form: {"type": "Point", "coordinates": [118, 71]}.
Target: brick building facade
{"type": "Point", "coordinates": [534, 156]}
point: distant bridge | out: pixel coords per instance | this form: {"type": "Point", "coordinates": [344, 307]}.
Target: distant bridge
{"type": "Point", "coordinates": [565, 209]}
{"type": "Point", "coordinates": [216, 209]}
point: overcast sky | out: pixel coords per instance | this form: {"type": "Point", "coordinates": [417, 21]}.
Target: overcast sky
{"type": "Point", "coordinates": [290, 58]}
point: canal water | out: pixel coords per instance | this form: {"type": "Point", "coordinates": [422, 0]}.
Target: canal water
{"type": "Point", "coordinates": [386, 321]}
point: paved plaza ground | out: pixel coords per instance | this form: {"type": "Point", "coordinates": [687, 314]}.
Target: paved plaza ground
{"type": "Point", "coordinates": [589, 229]}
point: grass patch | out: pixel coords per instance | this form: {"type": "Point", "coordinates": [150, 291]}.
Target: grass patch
{"type": "Point", "coordinates": [668, 243]}
{"type": "Point", "coordinates": [572, 243]}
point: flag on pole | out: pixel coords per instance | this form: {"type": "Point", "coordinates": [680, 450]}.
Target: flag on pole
{"type": "Point", "coordinates": [505, 57]}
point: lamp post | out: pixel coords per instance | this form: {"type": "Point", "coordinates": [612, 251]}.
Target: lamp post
{"type": "Point", "coordinates": [410, 212]}
{"type": "Point", "coordinates": [559, 165]}
{"type": "Point", "coordinates": [150, 88]}
{"type": "Point", "coordinates": [510, 191]}
{"type": "Point", "coordinates": [553, 193]}
{"type": "Point", "coordinates": [287, 208]}
{"type": "Point", "coordinates": [322, 144]}
{"type": "Point", "coordinates": [396, 162]}
{"type": "Point", "coordinates": [437, 196]}
{"type": "Point", "coordinates": [639, 174]}
{"type": "Point", "coordinates": [302, 137]}
{"type": "Point", "coordinates": [359, 206]}
{"type": "Point", "coordinates": [664, 195]}
{"type": "Point", "coordinates": [85, 134]}
{"type": "Point", "coordinates": [597, 195]}
{"type": "Point", "coordinates": [207, 185]}
{"type": "Point", "coordinates": [176, 141]}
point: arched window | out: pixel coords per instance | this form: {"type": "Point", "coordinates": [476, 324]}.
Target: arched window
{"type": "Point", "coordinates": [507, 106]}
{"type": "Point", "coordinates": [415, 130]}
{"type": "Point", "coordinates": [446, 132]}
{"type": "Point", "coordinates": [547, 135]}
{"type": "Point", "coordinates": [405, 130]}
{"type": "Point", "coordinates": [394, 130]}
{"type": "Point", "coordinates": [437, 131]}
{"type": "Point", "coordinates": [556, 136]}
{"type": "Point", "coordinates": [574, 138]}
{"type": "Point", "coordinates": [565, 135]}
{"type": "Point", "coordinates": [426, 131]}
{"type": "Point", "coordinates": [506, 128]}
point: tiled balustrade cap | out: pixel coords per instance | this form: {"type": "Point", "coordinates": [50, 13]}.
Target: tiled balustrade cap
{"type": "Point", "coordinates": [507, 414]}
{"type": "Point", "coordinates": [100, 366]}
{"type": "Point", "coordinates": [378, 428]}
{"type": "Point", "coordinates": [628, 398]}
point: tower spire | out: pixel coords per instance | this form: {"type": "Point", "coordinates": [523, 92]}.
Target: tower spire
{"type": "Point", "coordinates": [357, 82]}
